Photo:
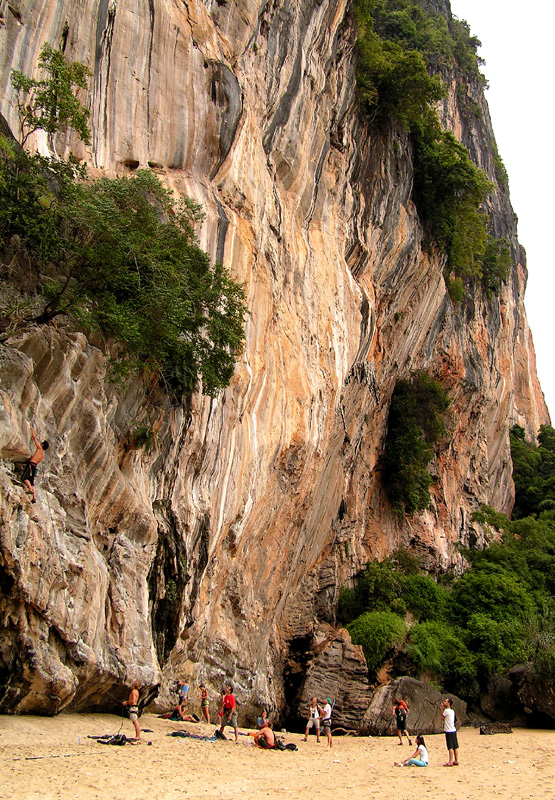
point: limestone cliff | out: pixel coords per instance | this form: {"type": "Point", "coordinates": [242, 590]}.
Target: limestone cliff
{"type": "Point", "coordinates": [221, 550]}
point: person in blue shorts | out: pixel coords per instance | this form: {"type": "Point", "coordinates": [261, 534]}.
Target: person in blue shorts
{"type": "Point", "coordinates": [419, 758]}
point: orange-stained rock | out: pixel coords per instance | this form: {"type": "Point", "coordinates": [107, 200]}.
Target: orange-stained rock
{"type": "Point", "coordinates": [209, 556]}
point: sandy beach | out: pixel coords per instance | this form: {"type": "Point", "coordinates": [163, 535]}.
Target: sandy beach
{"type": "Point", "coordinates": [44, 758]}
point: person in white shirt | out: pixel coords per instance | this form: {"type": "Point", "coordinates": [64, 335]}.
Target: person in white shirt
{"type": "Point", "coordinates": [419, 758]}
{"type": "Point", "coordinates": [325, 713]}
{"type": "Point", "coordinates": [313, 717]}
{"type": "Point", "coordinates": [450, 730]}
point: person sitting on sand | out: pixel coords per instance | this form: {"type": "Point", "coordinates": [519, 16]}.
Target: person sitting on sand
{"type": "Point", "coordinates": [261, 721]}
{"type": "Point", "coordinates": [400, 710]}
{"type": "Point", "coordinates": [182, 710]}
{"type": "Point", "coordinates": [30, 468]}
{"type": "Point", "coordinates": [133, 708]}
{"type": "Point", "coordinates": [419, 758]}
{"type": "Point", "coordinates": [265, 737]}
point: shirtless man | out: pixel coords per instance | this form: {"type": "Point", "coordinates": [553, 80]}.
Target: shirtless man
{"type": "Point", "coordinates": [133, 707]}
{"type": "Point", "coordinates": [265, 737]}
{"type": "Point", "coordinates": [30, 469]}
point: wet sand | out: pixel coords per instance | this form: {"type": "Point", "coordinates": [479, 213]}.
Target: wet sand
{"type": "Point", "coordinates": [41, 757]}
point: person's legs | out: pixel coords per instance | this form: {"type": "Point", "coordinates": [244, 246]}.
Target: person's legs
{"type": "Point", "coordinates": [327, 729]}
{"type": "Point", "coordinates": [134, 719]}
{"type": "Point", "coordinates": [317, 724]}
{"type": "Point", "coordinates": [452, 748]}
{"type": "Point", "coordinates": [416, 762]}
{"type": "Point", "coordinates": [234, 725]}
{"type": "Point", "coordinates": [206, 712]}
{"type": "Point", "coordinates": [449, 752]}
{"type": "Point", "coordinates": [28, 478]}
{"type": "Point", "coordinates": [306, 733]}
{"type": "Point", "coordinates": [407, 735]}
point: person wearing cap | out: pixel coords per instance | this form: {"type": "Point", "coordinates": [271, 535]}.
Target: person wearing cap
{"type": "Point", "coordinates": [325, 713]}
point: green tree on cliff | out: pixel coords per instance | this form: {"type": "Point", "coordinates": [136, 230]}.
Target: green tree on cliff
{"type": "Point", "coordinates": [120, 257]}
{"type": "Point", "coordinates": [51, 104]}
{"type": "Point", "coordinates": [415, 424]}
{"type": "Point", "coordinates": [403, 48]}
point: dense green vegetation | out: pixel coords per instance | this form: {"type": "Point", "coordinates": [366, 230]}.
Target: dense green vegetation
{"type": "Point", "coordinates": [533, 472]}
{"type": "Point", "coordinates": [414, 425]}
{"type": "Point", "coordinates": [499, 613]}
{"type": "Point", "coordinates": [404, 46]}
{"type": "Point", "coordinates": [119, 256]}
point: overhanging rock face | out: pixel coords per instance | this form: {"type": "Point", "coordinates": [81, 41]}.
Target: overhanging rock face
{"type": "Point", "coordinates": [206, 556]}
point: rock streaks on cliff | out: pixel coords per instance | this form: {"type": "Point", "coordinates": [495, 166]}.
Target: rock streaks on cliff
{"type": "Point", "coordinates": [206, 556]}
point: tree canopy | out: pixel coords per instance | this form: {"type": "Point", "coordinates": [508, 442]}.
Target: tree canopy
{"type": "Point", "coordinates": [119, 256]}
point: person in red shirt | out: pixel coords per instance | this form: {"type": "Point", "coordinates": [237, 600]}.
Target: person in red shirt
{"type": "Point", "coordinates": [229, 708]}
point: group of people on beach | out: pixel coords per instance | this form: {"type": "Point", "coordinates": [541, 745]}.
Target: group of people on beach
{"type": "Point", "coordinates": [263, 737]}
{"type": "Point", "coordinates": [420, 756]}
{"type": "Point", "coordinates": [319, 715]}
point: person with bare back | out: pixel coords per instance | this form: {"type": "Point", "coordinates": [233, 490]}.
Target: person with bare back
{"type": "Point", "coordinates": [133, 708]}
{"type": "Point", "coordinates": [30, 468]}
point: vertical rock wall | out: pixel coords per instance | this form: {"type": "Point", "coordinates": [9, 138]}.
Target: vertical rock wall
{"type": "Point", "coordinates": [205, 557]}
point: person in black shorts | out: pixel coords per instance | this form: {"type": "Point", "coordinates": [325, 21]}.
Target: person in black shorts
{"type": "Point", "coordinates": [450, 730]}
{"type": "Point", "coordinates": [30, 468]}
{"type": "Point", "coordinates": [400, 711]}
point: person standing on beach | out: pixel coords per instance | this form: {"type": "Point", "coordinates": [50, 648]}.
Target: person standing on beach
{"type": "Point", "coordinates": [325, 713]}
{"type": "Point", "coordinates": [313, 717]}
{"type": "Point", "coordinates": [30, 468]}
{"type": "Point", "coordinates": [229, 712]}
{"type": "Point", "coordinates": [450, 729]}
{"type": "Point", "coordinates": [400, 710]}
{"type": "Point", "coordinates": [132, 704]}
{"type": "Point", "coordinates": [204, 702]}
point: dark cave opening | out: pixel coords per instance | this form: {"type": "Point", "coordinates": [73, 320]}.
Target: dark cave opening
{"type": "Point", "coordinates": [294, 673]}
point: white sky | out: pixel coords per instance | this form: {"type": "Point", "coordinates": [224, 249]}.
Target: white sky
{"type": "Point", "coordinates": [517, 46]}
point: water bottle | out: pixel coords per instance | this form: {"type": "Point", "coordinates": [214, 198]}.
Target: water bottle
{"type": "Point", "coordinates": [79, 739]}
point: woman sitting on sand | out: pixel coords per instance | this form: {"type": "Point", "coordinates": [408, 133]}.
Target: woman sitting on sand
{"type": "Point", "coordinates": [419, 758]}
